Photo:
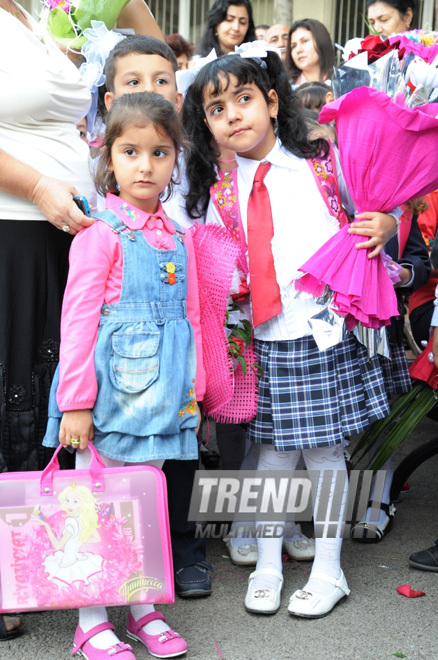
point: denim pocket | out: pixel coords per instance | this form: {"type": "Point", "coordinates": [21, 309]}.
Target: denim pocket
{"type": "Point", "coordinates": [135, 360]}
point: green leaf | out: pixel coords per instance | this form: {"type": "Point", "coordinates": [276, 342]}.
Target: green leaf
{"type": "Point", "coordinates": [99, 10]}
{"type": "Point", "coordinates": [257, 369]}
{"type": "Point", "coordinates": [239, 332]}
{"type": "Point", "coordinates": [377, 429]}
{"type": "Point", "coordinates": [242, 362]}
{"type": "Point", "coordinates": [247, 325]}
{"type": "Point", "coordinates": [371, 30]}
{"type": "Point", "coordinates": [407, 422]}
{"type": "Point", "coordinates": [60, 26]}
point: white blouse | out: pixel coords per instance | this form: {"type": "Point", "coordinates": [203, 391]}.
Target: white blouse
{"type": "Point", "coordinates": [42, 97]}
{"type": "Point", "coordinates": [302, 224]}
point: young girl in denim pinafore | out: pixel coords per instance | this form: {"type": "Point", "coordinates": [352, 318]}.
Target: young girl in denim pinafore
{"type": "Point", "coordinates": [130, 336]}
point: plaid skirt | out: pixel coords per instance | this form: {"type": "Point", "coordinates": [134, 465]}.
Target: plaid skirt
{"type": "Point", "coordinates": [396, 371]}
{"type": "Point", "coordinates": [310, 398]}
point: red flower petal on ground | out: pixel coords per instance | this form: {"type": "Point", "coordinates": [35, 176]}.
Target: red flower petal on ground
{"type": "Point", "coordinates": [406, 590]}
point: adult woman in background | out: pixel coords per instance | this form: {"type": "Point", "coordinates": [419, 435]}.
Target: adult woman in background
{"type": "Point", "coordinates": [43, 163]}
{"type": "Point", "coordinates": [310, 55]}
{"type": "Point", "coordinates": [229, 24]}
{"type": "Point", "coordinates": [391, 16]}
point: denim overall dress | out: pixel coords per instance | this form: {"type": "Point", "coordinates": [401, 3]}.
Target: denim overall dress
{"type": "Point", "coordinates": [145, 358]}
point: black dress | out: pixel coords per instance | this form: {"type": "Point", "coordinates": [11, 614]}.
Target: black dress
{"type": "Point", "coordinates": [33, 272]}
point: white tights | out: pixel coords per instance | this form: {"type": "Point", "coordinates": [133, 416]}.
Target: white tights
{"type": "Point", "coordinates": [89, 617]}
{"type": "Point", "coordinates": [327, 550]}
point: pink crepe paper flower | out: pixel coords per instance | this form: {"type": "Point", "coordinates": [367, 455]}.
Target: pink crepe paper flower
{"type": "Point", "coordinates": [386, 157]}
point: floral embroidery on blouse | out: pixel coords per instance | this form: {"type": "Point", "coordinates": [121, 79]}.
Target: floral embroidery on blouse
{"type": "Point", "coordinates": [129, 212]}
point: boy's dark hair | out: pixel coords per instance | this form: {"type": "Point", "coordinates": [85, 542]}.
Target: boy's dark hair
{"type": "Point", "coordinates": [216, 15]}
{"type": "Point", "coordinates": [136, 43]}
{"type": "Point", "coordinates": [291, 129]}
{"type": "Point", "coordinates": [138, 110]}
{"type": "Point", "coordinates": [312, 95]}
{"type": "Point", "coordinates": [323, 45]}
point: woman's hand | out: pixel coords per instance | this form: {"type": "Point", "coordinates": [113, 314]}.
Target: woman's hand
{"type": "Point", "coordinates": [76, 425]}
{"type": "Point", "coordinates": [54, 199]}
{"type": "Point", "coordinates": [377, 227]}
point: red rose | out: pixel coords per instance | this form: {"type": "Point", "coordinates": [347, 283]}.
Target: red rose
{"type": "Point", "coordinates": [376, 48]}
{"type": "Point", "coordinates": [237, 346]}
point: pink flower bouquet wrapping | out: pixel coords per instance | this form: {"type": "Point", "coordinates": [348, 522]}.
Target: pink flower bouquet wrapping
{"type": "Point", "coordinates": [426, 52]}
{"type": "Point", "coordinates": [387, 159]}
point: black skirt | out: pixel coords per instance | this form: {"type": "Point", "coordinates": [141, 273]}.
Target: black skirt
{"type": "Point", "coordinates": [33, 274]}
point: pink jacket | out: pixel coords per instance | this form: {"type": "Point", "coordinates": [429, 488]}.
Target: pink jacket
{"type": "Point", "coordinates": [94, 279]}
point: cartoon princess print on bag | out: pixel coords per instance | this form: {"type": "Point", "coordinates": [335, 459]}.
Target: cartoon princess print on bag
{"type": "Point", "coordinates": [67, 564]}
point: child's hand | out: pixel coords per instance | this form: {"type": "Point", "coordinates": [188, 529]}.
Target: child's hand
{"type": "Point", "coordinates": [378, 227]}
{"type": "Point", "coordinates": [76, 428]}
{"type": "Point", "coordinates": [435, 347]}
{"type": "Point", "coordinates": [405, 276]}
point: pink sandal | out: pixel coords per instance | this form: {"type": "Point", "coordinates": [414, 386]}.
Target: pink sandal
{"type": "Point", "coordinates": [83, 647]}
{"type": "Point", "coordinates": [167, 644]}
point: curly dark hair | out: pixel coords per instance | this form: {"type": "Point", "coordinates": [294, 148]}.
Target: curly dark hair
{"type": "Point", "coordinates": [291, 128]}
{"type": "Point", "coordinates": [323, 45]}
{"type": "Point", "coordinates": [216, 15]}
{"type": "Point", "coordinates": [179, 45]}
{"type": "Point", "coordinates": [139, 110]}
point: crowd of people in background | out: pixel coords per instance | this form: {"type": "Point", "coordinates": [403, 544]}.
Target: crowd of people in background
{"type": "Point", "coordinates": [242, 127]}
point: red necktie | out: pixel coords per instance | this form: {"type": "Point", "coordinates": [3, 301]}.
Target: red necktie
{"type": "Point", "coordinates": [265, 292]}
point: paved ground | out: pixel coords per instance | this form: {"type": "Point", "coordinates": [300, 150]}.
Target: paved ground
{"type": "Point", "coordinates": [375, 623]}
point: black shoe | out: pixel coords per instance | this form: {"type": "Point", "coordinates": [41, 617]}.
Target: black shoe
{"type": "Point", "coordinates": [426, 560]}
{"type": "Point", "coordinates": [193, 581]}
{"type": "Point", "coordinates": [6, 635]}
{"type": "Point", "coordinates": [366, 532]}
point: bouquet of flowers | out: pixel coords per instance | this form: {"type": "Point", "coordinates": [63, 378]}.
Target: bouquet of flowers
{"type": "Point", "coordinates": [238, 326]}
{"type": "Point", "coordinates": [67, 19]}
{"type": "Point", "coordinates": [386, 157]}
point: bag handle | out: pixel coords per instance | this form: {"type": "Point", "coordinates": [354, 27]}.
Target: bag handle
{"type": "Point", "coordinates": [95, 469]}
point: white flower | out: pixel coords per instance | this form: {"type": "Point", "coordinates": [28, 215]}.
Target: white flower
{"type": "Point", "coordinates": [352, 46]}
{"type": "Point", "coordinates": [421, 73]}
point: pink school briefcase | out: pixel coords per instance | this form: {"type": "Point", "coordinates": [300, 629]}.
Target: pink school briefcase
{"type": "Point", "coordinates": [77, 538]}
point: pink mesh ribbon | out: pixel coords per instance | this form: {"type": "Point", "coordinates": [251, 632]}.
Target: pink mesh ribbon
{"type": "Point", "coordinates": [230, 397]}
